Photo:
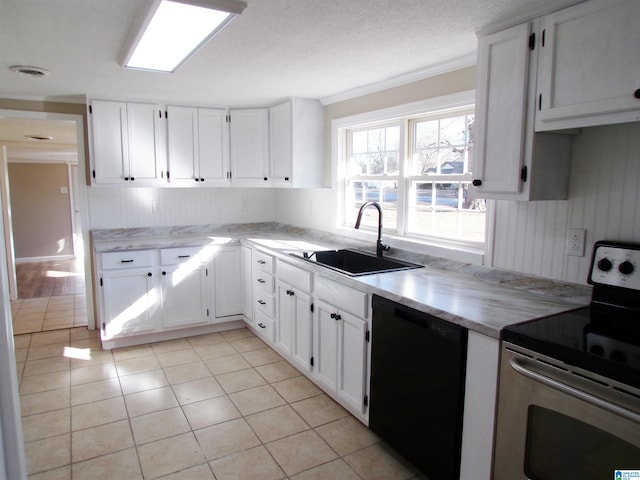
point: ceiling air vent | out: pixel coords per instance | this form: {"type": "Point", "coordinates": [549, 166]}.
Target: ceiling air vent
{"type": "Point", "coordinates": [30, 71]}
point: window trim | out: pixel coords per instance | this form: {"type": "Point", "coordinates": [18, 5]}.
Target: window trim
{"type": "Point", "coordinates": [449, 248]}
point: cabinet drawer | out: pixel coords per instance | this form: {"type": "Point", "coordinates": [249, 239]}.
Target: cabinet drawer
{"type": "Point", "coordinates": [172, 256]}
{"type": "Point", "coordinates": [264, 282]}
{"type": "Point", "coordinates": [130, 259]}
{"type": "Point", "coordinates": [262, 261]}
{"type": "Point", "coordinates": [265, 304]}
{"type": "Point", "coordinates": [294, 276]}
{"type": "Point", "coordinates": [264, 327]}
{"type": "Point", "coordinates": [345, 298]}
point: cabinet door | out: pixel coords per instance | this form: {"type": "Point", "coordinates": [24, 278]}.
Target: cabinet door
{"type": "Point", "coordinates": [302, 329]}
{"type": "Point", "coordinates": [352, 355]}
{"type": "Point", "coordinates": [146, 143]}
{"type": "Point", "coordinates": [213, 146]}
{"type": "Point", "coordinates": [108, 134]}
{"type": "Point", "coordinates": [286, 318]}
{"type": "Point", "coordinates": [280, 129]}
{"type": "Point", "coordinates": [181, 125]}
{"type": "Point", "coordinates": [249, 146]}
{"type": "Point", "coordinates": [131, 302]}
{"type": "Point", "coordinates": [325, 345]}
{"type": "Point", "coordinates": [228, 281]}
{"type": "Point", "coordinates": [184, 295]}
{"type": "Point", "coordinates": [589, 65]}
{"type": "Point", "coordinates": [501, 109]}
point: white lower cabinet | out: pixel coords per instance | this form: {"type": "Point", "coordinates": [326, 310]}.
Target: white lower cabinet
{"type": "Point", "coordinates": [228, 282]}
{"type": "Point", "coordinates": [185, 299]}
{"type": "Point", "coordinates": [340, 354]}
{"type": "Point", "coordinates": [129, 295]}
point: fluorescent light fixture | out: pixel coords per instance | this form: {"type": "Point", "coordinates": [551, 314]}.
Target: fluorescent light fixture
{"type": "Point", "coordinates": [173, 30]}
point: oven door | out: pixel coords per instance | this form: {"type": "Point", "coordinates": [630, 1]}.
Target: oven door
{"type": "Point", "coordinates": [557, 422]}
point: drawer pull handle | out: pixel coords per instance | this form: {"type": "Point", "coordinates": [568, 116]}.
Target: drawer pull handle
{"type": "Point", "coordinates": [262, 302]}
{"type": "Point", "coordinates": [126, 261]}
{"type": "Point", "coordinates": [261, 262]}
{"type": "Point", "coordinates": [184, 256]}
{"type": "Point", "coordinates": [260, 280]}
{"type": "Point", "coordinates": [262, 325]}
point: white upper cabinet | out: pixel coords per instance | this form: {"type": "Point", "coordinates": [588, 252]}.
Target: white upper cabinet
{"type": "Point", "coordinates": [128, 143]}
{"type": "Point", "coordinates": [249, 146]}
{"type": "Point", "coordinates": [510, 160]}
{"type": "Point", "coordinates": [590, 65]}
{"type": "Point", "coordinates": [297, 143]}
{"type": "Point", "coordinates": [198, 146]}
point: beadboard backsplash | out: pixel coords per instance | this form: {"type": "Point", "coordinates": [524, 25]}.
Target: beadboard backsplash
{"type": "Point", "coordinates": [604, 199]}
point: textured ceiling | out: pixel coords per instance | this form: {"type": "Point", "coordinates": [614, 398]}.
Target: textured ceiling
{"type": "Point", "coordinates": [275, 49]}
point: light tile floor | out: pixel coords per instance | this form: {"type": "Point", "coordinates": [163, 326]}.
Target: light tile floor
{"type": "Point", "coordinates": [49, 313]}
{"type": "Point", "coordinates": [219, 406]}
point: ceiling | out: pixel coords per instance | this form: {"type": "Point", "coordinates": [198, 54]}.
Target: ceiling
{"type": "Point", "coordinates": [275, 49]}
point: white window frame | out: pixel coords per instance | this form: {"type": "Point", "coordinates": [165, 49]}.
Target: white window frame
{"type": "Point", "coordinates": [472, 252]}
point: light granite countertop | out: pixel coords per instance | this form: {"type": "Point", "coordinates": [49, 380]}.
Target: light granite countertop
{"type": "Point", "coordinates": [481, 299]}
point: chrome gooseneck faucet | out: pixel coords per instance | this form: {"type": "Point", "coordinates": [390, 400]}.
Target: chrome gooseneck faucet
{"type": "Point", "coordinates": [380, 247]}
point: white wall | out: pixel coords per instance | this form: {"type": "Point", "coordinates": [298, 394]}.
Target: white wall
{"type": "Point", "coordinates": [123, 207]}
{"type": "Point", "coordinates": [604, 197]}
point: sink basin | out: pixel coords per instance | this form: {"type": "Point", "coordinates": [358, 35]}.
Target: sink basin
{"type": "Point", "coordinates": [355, 262]}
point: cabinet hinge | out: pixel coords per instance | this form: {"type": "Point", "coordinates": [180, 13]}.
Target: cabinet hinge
{"type": "Point", "coordinates": [93, 172]}
{"type": "Point", "coordinates": [532, 41]}
{"type": "Point", "coordinates": [227, 118]}
{"type": "Point", "coordinates": [104, 327]}
{"type": "Point", "coordinates": [207, 312]}
{"type": "Point", "coordinates": [101, 284]}
{"type": "Point", "coordinates": [365, 400]}
{"type": "Point", "coordinates": [540, 102]}
{"type": "Point", "coordinates": [311, 361]}
{"type": "Point", "coordinates": [160, 114]}
{"type": "Point", "coordinates": [168, 175]}
{"type": "Point", "coordinates": [523, 173]}
{"type": "Point", "coordinates": [166, 114]}
{"type": "Point", "coordinates": [544, 35]}
{"type": "Point", "coordinates": [90, 109]}
{"type": "Point", "coordinates": [311, 307]}
{"type": "Point", "coordinates": [367, 336]}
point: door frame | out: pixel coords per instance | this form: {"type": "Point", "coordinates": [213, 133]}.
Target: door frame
{"type": "Point", "coordinates": [80, 197]}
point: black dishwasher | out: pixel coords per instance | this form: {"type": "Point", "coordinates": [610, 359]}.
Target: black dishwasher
{"type": "Point", "coordinates": [418, 365]}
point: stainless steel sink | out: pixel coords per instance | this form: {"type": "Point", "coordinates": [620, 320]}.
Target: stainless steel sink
{"type": "Point", "coordinates": [354, 262]}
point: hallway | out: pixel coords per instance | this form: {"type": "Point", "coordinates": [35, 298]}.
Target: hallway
{"type": "Point", "coordinates": [51, 296]}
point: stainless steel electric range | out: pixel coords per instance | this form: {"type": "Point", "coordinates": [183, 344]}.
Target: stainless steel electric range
{"type": "Point", "coordinates": [569, 398]}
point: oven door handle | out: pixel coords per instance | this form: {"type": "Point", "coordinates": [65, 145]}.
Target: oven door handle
{"type": "Point", "coordinates": [574, 392]}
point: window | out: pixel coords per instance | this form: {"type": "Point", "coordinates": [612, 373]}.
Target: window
{"type": "Point", "coordinates": [418, 167]}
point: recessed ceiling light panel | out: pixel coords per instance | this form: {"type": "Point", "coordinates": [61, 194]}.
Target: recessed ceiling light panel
{"type": "Point", "coordinates": [30, 71]}
{"type": "Point", "coordinates": [173, 30]}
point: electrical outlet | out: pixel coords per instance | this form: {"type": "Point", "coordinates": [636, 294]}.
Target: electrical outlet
{"type": "Point", "coordinates": [575, 242]}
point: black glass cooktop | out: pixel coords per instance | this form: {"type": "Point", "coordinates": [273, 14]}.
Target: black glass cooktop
{"type": "Point", "coordinates": [606, 342]}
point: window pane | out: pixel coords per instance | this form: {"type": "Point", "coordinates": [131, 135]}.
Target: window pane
{"type": "Point", "coordinates": [385, 193]}
{"type": "Point", "coordinates": [375, 151]}
{"type": "Point", "coordinates": [442, 146]}
{"type": "Point", "coordinates": [444, 210]}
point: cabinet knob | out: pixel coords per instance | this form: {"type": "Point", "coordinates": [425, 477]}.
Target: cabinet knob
{"type": "Point", "coordinates": [201, 179]}
{"type": "Point", "coordinates": [476, 182]}
{"type": "Point", "coordinates": [149, 274]}
{"type": "Point", "coordinates": [126, 179]}
{"type": "Point", "coordinates": [336, 316]}
{"type": "Point", "coordinates": [132, 179]}
{"type": "Point", "coordinates": [637, 93]}
{"type": "Point", "coordinates": [164, 273]}
{"type": "Point", "coordinates": [265, 179]}
{"type": "Point", "coordinates": [262, 325]}
{"type": "Point", "coordinates": [197, 179]}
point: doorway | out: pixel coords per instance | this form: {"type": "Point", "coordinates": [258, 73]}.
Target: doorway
{"type": "Point", "coordinates": [48, 267]}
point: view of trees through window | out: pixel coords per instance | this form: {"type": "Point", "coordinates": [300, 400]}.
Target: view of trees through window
{"type": "Point", "coordinates": [419, 169]}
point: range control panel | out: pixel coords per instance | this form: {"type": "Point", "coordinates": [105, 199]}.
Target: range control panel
{"type": "Point", "coordinates": [615, 264]}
